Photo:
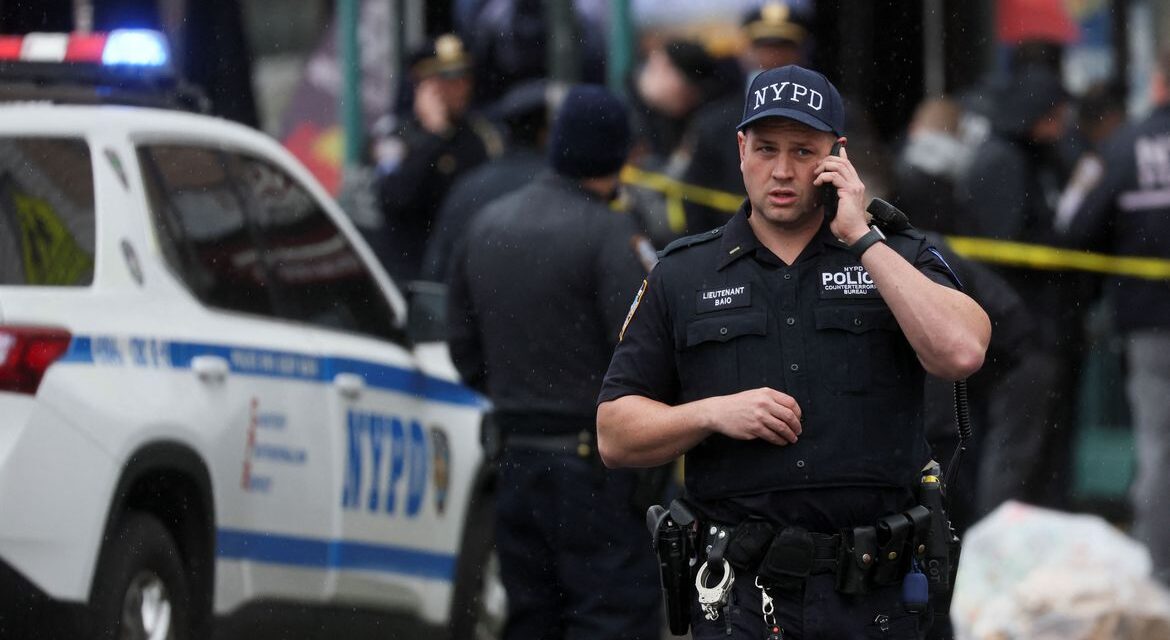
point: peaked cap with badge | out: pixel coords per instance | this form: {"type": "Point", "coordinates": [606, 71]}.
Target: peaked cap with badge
{"type": "Point", "coordinates": [774, 23]}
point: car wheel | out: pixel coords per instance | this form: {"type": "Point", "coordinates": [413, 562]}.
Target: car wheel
{"type": "Point", "coordinates": [140, 590]}
{"type": "Point", "coordinates": [479, 605]}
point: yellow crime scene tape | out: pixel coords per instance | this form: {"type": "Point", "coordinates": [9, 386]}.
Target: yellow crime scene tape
{"type": "Point", "coordinates": [1015, 254]}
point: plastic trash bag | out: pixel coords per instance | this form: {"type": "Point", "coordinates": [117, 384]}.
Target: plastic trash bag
{"type": "Point", "coordinates": [1027, 572]}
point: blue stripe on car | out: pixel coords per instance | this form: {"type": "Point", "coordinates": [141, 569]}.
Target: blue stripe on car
{"type": "Point", "coordinates": [235, 544]}
{"type": "Point", "coordinates": [285, 364]}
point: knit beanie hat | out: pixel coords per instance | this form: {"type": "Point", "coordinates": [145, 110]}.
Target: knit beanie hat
{"type": "Point", "coordinates": [1027, 96]}
{"type": "Point", "coordinates": [591, 134]}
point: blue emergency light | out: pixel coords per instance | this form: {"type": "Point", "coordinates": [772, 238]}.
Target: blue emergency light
{"type": "Point", "coordinates": [138, 47]}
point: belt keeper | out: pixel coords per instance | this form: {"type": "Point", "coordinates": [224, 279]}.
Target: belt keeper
{"type": "Point", "coordinates": [717, 541]}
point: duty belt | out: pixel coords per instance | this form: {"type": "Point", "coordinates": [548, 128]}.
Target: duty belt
{"type": "Point", "coordinates": [861, 557]}
{"type": "Point", "coordinates": [580, 444]}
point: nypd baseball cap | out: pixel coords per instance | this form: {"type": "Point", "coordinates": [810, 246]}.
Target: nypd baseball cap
{"type": "Point", "coordinates": [795, 93]}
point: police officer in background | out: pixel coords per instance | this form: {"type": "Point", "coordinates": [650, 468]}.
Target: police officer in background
{"type": "Point", "coordinates": [539, 287]}
{"type": "Point", "coordinates": [439, 141]}
{"type": "Point", "coordinates": [784, 354]}
{"type": "Point", "coordinates": [776, 36]}
{"type": "Point", "coordinates": [1128, 214]}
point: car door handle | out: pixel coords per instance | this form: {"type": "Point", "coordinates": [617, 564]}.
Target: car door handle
{"type": "Point", "coordinates": [350, 385]}
{"type": "Point", "coordinates": [210, 368]}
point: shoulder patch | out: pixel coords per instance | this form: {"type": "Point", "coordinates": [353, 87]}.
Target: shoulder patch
{"type": "Point", "coordinates": [633, 309]}
{"type": "Point", "coordinates": [690, 241]}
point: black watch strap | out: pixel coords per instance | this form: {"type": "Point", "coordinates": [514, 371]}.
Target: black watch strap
{"type": "Point", "coordinates": [866, 241]}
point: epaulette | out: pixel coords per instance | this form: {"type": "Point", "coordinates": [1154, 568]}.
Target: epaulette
{"type": "Point", "coordinates": [689, 241]}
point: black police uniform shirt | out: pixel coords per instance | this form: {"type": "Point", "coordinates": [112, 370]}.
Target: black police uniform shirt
{"type": "Point", "coordinates": [721, 314]}
{"type": "Point", "coordinates": [1128, 214]}
{"type": "Point", "coordinates": [539, 287]}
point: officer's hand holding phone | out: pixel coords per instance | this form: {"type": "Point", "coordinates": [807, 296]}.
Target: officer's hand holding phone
{"type": "Point", "coordinates": [842, 194]}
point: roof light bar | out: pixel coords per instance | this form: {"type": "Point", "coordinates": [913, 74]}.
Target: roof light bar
{"type": "Point", "coordinates": [44, 47]}
{"type": "Point", "coordinates": [122, 47]}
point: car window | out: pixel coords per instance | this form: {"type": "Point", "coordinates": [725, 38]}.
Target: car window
{"type": "Point", "coordinates": [318, 276]}
{"type": "Point", "coordinates": [202, 228]}
{"type": "Point", "coordinates": [46, 212]}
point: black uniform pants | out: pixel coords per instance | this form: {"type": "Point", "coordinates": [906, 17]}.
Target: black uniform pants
{"type": "Point", "coordinates": [575, 557]}
{"type": "Point", "coordinates": [815, 612]}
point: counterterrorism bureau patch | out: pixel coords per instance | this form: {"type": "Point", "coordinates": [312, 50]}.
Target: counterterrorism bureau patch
{"type": "Point", "coordinates": [633, 307]}
{"type": "Point", "coordinates": [728, 297]}
{"type": "Point", "coordinates": [847, 281]}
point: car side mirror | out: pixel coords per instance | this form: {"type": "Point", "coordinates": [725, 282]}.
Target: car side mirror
{"type": "Point", "coordinates": [426, 316]}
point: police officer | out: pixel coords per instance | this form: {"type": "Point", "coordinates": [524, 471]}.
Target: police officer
{"type": "Point", "coordinates": [784, 354]}
{"type": "Point", "coordinates": [539, 287]}
{"type": "Point", "coordinates": [438, 142]}
{"type": "Point", "coordinates": [776, 36]}
{"type": "Point", "coordinates": [1128, 214]}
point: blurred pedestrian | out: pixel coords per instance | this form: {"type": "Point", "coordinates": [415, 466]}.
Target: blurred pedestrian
{"type": "Point", "coordinates": [688, 96]}
{"type": "Point", "coordinates": [670, 84]}
{"type": "Point", "coordinates": [538, 290]}
{"type": "Point", "coordinates": [524, 112]}
{"type": "Point", "coordinates": [1100, 112]}
{"type": "Point", "coordinates": [1013, 184]}
{"type": "Point", "coordinates": [928, 169]}
{"type": "Point", "coordinates": [423, 156]}
{"type": "Point", "coordinates": [1128, 214]}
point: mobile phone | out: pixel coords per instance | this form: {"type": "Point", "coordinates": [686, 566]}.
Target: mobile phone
{"type": "Point", "coordinates": [829, 190]}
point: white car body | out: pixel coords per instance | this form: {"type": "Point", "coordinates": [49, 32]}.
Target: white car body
{"type": "Point", "coordinates": [340, 466]}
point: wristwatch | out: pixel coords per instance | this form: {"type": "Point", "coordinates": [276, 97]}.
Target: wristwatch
{"type": "Point", "coordinates": [866, 241]}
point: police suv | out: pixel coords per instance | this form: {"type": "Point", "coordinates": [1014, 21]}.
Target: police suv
{"type": "Point", "coordinates": [211, 396]}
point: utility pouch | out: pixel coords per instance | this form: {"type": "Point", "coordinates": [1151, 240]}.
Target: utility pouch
{"type": "Point", "coordinates": [892, 534]}
{"type": "Point", "coordinates": [856, 559]}
{"type": "Point", "coordinates": [789, 559]}
{"type": "Point", "coordinates": [920, 523]}
{"type": "Point", "coordinates": [673, 550]}
{"type": "Point", "coordinates": [749, 543]}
